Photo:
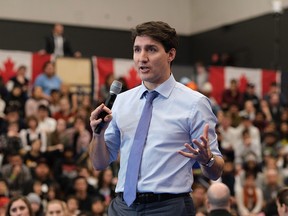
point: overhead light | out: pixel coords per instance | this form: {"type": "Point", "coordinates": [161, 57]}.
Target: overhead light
{"type": "Point", "coordinates": [277, 6]}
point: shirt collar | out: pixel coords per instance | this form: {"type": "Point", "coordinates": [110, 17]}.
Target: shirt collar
{"type": "Point", "coordinates": [164, 89]}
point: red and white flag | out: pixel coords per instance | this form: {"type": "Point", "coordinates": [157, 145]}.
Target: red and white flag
{"type": "Point", "coordinates": [11, 60]}
{"type": "Point", "coordinates": [220, 78]}
{"type": "Point", "coordinates": [121, 68]}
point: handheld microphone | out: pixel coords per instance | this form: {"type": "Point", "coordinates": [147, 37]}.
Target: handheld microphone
{"type": "Point", "coordinates": [115, 89]}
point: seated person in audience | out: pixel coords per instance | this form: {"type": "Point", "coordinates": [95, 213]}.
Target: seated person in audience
{"type": "Point", "coordinates": [11, 116]}
{"type": "Point", "coordinates": [54, 104]}
{"type": "Point", "coordinates": [20, 80]}
{"type": "Point", "coordinates": [31, 133]}
{"type": "Point", "coordinates": [218, 200]}
{"type": "Point", "coordinates": [16, 98]}
{"type": "Point", "coordinates": [79, 137]}
{"type": "Point", "coordinates": [65, 112]}
{"type": "Point", "coordinates": [232, 95]}
{"type": "Point", "coordinates": [10, 142]}
{"type": "Point", "coordinates": [16, 173]}
{"type": "Point", "coordinates": [37, 98]}
{"type": "Point", "coordinates": [56, 207]}
{"type": "Point", "coordinates": [249, 198]}
{"type": "Point", "coordinates": [45, 122]}
{"type": "Point", "coordinates": [48, 80]}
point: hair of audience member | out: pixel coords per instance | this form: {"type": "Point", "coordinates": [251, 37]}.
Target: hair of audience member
{"type": "Point", "coordinates": [282, 196]}
{"type": "Point", "coordinates": [218, 195]}
{"type": "Point", "coordinates": [60, 202]}
{"type": "Point", "coordinates": [158, 31]}
{"type": "Point", "coordinates": [16, 198]}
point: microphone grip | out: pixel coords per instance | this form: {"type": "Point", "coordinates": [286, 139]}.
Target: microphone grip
{"type": "Point", "coordinates": [108, 103]}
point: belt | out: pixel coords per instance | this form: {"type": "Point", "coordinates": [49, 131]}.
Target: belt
{"type": "Point", "coordinates": [142, 198]}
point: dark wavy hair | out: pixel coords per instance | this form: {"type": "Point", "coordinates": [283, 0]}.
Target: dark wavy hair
{"type": "Point", "coordinates": [158, 31]}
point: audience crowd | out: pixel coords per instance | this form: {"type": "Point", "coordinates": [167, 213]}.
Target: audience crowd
{"type": "Point", "coordinates": [45, 134]}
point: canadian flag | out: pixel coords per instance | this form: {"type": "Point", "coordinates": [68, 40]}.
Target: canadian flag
{"type": "Point", "coordinates": [11, 60]}
{"type": "Point", "coordinates": [121, 68]}
{"type": "Point", "coordinates": [220, 78]}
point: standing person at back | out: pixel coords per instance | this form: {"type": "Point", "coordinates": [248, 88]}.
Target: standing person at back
{"type": "Point", "coordinates": [156, 179]}
{"type": "Point", "coordinates": [57, 44]}
{"type": "Point", "coordinates": [218, 200]}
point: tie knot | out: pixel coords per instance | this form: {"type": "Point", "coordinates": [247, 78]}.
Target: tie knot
{"type": "Point", "coordinates": [151, 96]}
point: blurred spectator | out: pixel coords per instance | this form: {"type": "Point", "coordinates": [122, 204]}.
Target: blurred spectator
{"type": "Point", "coordinates": [228, 136]}
{"type": "Point", "coordinates": [282, 201]}
{"type": "Point", "coordinates": [105, 185]}
{"type": "Point", "coordinates": [3, 90]}
{"type": "Point", "coordinates": [19, 205]}
{"type": "Point", "coordinates": [264, 107]}
{"type": "Point", "coordinates": [283, 139]}
{"type": "Point", "coordinates": [99, 206]}
{"type": "Point", "coordinates": [201, 75]}
{"type": "Point", "coordinates": [10, 142]}
{"type": "Point", "coordinates": [275, 108]}
{"type": "Point", "coordinates": [57, 139]}
{"type": "Point", "coordinates": [275, 89]}
{"type": "Point", "coordinates": [245, 146]}
{"type": "Point", "coordinates": [32, 156]}
{"type": "Point", "coordinates": [16, 173]}
{"type": "Point", "coordinates": [33, 102]}
{"type": "Point", "coordinates": [272, 184]}
{"type": "Point", "coordinates": [105, 88]}
{"type": "Point", "coordinates": [79, 137]}
{"type": "Point", "coordinates": [207, 90]}
{"type": "Point", "coordinates": [218, 200]}
{"type": "Point", "coordinates": [2, 107]}
{"type": "Point", "coordinates": [56, 207]}
{"type": "Point", "coordinates": [54, 104]}
{"type": "Point", "coordinates": [249, 197]}
{"type": "Point", "coordinates": [236, 119]}
{"type": "Point", "coordinates": [65, 92]}
{"type": "Point", "coordinates": [72, 206]}
{"type": "Point", "coordinates": [36, 204]}
{"type": "Point", "coordinates": [65, 168]}
{"type": "Point", "coordinates": [250, 94]}
{"type": "Point", "coordinates": [260, 121]}
{"type": "Point", "coordinates": [31, 133]}
{"type": "Point", "coordinates": [45, 122]}
{"type": "Point", "coordinates": [249, 110]}
{"type": "Point", "coordinates": [232, 95]}
{"type": "Point", "coordinates": [198, 195]}
{"type": "Point", "coordinates": [19, 80]}
{"type": "Point", "coordinates": [4, 188]}
{"type": "Point", "coordinates": [57, 44]}
{"type": "Point", "coordinates": [65, 112]}
{"type": "Point", "coordinates": [11, 116]}
{"type": "Point", "coordinates": [4, 201]}
{"type": "Point", "coordinates": [270, 144]}
{"type": "Point", "coordinates": [48, 80]}
{"type": "Point", "coordinates": [92, 180]}
{"type": "Point", "coordinates": [83, 193]}
{"type": "Point", "coordinates": [17, 99]}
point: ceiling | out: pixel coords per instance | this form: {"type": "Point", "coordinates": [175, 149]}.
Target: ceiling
{"type": "Point", "coordinates": [187, 16]}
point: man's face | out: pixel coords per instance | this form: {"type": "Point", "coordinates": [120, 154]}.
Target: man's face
{"type": "Point", "coordinates": [151, 61]}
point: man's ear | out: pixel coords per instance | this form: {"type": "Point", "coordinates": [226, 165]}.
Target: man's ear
{"type": "Point", "coordinates": [171, 54]}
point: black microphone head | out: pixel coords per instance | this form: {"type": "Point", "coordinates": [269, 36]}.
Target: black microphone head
{"type": "Point", "coordinates": [115, 87]}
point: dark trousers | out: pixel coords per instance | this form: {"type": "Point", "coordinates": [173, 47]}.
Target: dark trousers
{"type": "Point", "coordinates": [180, 206]}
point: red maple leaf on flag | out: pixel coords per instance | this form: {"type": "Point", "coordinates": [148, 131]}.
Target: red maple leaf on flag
{"type": "Point", "coordinates": [8, 71]}
{"type": "Point", "coordinates": [132, 78]}
{"type": "Point", "coordinates": [243, 83]}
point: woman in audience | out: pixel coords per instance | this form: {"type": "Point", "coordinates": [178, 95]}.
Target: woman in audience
{"type": "Point", "coordinates": [56, 207]}
{"type": "Point", "coordinates": [19, 205]}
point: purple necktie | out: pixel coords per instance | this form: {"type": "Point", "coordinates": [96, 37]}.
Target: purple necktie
{"type": "Point", "coordinates": [135, 156]}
